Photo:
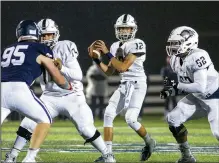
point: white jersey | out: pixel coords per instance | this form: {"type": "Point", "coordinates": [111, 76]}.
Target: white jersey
{"type": "Point", "coordinates": [135, 46]}
{"type": "Point", "coordinates": [196, 60]}
{"type": "Point", "coordinates": [96, 87]}
{"type": "Point", "coordinates": [68, 53]}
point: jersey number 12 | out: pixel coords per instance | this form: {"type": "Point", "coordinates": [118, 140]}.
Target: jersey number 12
{"type": "Point", "coordinates": [139, 45]}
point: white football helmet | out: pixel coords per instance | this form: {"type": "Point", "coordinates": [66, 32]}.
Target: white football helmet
{"type": "Point", "coordinates": [125, 20]}
{"type": "Point", "coordinates": [49, 26]}
{"type": "Point", "coordinates": [182, 40]}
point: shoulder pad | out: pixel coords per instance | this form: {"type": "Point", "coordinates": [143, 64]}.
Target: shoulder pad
{"type": "Point", "coordinates": [67, 47]}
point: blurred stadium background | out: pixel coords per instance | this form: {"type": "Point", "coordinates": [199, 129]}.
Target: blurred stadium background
{"type": "Point", "coordinates": [83, 22]}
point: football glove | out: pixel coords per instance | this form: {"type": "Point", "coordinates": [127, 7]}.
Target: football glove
{"type": "Point", "coordinates": [170, 88]}
{"type": "Point", "coordinates": [168, 82]}
{"type": "Point", "coordinates": [168, 91]}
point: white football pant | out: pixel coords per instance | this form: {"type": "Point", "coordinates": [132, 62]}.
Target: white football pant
{"type": "Point", "coordinates": [191, 107]}
{"type": "Point", "coordinates": [16, 96]}
{"type": "Point", "coordinates": [74, 107]}
{"type": "Point", "coordinates": [127, 98]}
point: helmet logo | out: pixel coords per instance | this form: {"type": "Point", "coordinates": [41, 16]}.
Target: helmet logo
{"type": "Point", "coordinates": [44, 24]}
{"type": "Point", "coordinates": [32, 32]}
{"type": "Point", "coordinates": [125, 18]}
{"type": "Point", "coordinates": [186, 34]}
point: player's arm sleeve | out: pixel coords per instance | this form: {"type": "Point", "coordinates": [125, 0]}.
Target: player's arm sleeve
{"type": "Point", "coordinates": [137, 48]}
{"type": "Point", "coordinates": [71, 69]}
{"type": "Point", "coordinates": [198, 86]}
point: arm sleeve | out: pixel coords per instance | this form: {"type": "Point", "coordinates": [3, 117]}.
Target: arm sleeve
{"type": "Point", "coordinates": [72, 71]}
{"type": "Point", "coordinates": [68, 53]}
{"type": "Point", "coordinates": [198, 86]}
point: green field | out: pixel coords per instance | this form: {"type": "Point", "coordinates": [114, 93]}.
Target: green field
{"type": "Point", "coordinates": [64, 144]}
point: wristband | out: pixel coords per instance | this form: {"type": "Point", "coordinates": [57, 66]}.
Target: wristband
{"type": "Point", "coordinates": [109, 55]}
{"type": "Point", "coordinates": [97, 61]}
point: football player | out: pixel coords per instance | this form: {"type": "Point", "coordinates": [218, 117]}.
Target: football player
{"type": "Point", "coordinates": [21, 64]}
{"type": "Point", "coordinates": [198, 78]}
{"type": "Point", "coordinates": [97, 89]}
{"type": "Point", "coordinates": [70, 103]}
{"type": "Point", "coordinates": [127, 57]}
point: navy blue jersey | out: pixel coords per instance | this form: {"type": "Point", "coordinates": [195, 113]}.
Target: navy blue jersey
{"type": "Point", "coordinates": [18, 61]}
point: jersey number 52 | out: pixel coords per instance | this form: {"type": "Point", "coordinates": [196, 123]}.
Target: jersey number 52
{"type": "Point", "coordinates": [13, 51]}
{"type": "Point", "coordinates": [201, 61]}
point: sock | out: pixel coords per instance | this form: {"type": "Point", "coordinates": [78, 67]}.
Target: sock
{"type": "Point", "coordinates": [15, 152]}
{"type": "Point", "coordinates": [100, 145]}
{"type": "Point", "coordinates": [185, 144]}
{"type": "Point", "coordinates": [147, 138]}
{"type": "Point", "coordinates": [109, 146]}
{"type": "Point", "coordinates": [31, 153]}
{"type": "Point", "coordinates": [185, 149]}
{"type": "Point", "coordinates": [19, 144]}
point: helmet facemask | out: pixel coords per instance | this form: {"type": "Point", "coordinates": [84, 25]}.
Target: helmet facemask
{"type": "Point", "coordinates": [48, 26]}
{"type": "Point", "coordinates": [51, 42]}
{"type": "Point", "coordinates": [181, 44]}
{"type": "Point", "coordinates": [125, 21]}
{"type": "Point", "coordinates": [125, 36]}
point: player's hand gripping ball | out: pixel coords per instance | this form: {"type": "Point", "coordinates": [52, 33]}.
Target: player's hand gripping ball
{"type": "Point", "coordinates": [93, 51]}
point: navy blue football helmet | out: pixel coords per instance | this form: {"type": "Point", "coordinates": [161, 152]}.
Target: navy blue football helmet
{"type": "Point", "coordinates": [27, 30]}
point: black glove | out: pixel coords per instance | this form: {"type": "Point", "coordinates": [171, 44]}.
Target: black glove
{"type": "Point", "coordinates": [168, 82]}
{"type": "Point", "coordinates": [168, 91]}
{"type": "Point", "coordinates": [164, 94]}
{"type": "Point", "coordinates": [170, 88]}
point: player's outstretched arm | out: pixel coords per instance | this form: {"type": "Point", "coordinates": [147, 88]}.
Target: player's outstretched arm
{"type": "Point", "coordinates": [58, 78]}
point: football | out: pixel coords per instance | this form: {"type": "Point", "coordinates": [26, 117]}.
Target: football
{"type": "Point", "coordinates": [93, 51]}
